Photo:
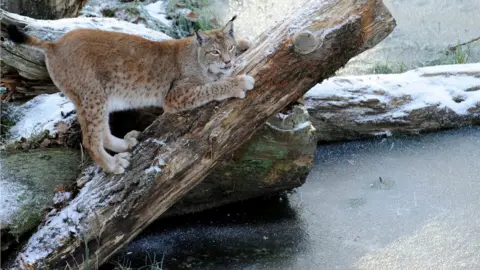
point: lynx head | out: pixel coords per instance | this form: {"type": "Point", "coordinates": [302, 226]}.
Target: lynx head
{"type": "Point", "coordinates": [217, 49]}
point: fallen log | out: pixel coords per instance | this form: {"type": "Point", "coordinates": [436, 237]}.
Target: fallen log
{"type": "Point", "coordinates": [417, 101]}
{"type": "Point", "coordinates": [178, 151]}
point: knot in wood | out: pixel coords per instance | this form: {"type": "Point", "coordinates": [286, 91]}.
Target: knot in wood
{"type": "Point", "coordinates": [305, 42]}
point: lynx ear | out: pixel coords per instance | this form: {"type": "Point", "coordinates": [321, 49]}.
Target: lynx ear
{"type": "Point", "coordinates": [202, 38]}
{"type": "Point", "coordinates": [228, 28]}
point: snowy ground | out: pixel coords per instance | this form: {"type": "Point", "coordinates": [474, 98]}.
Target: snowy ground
{"type": "Point", "coordinates": [425, 29]}
{"type": "Point", "coordinates": [158, 11]}
{"type": "Point", "coordinates": [41, 113]}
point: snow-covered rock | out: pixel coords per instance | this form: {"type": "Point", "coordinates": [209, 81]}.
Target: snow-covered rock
{"type": "Point", "coordinates": [40, 114]}
{"type": "Point", "coordinates": [28, 181]}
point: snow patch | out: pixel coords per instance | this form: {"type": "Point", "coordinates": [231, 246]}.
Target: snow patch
{"type": "Point", "coordinates": [156, 167]}
{"type": "Point", "coordinates": [297, 127]}
{"type": "Point", "coordinates": [350, 19]}
{"type": "Point", "coordinates": [158, 11]}
{"type": "Point", "coordinates": [41, 113]}
{"type": "Point", "coordinates": [282, 116]}
{"type": "Point", "coordinates": [151, 169]}
{"type": "Point", "coordinates": [302, 126]}
{"type": "Point", "coordinates": [155, 141]}
{"type": "Point", "coordinates": [10, 192]}
{"type": "Point", "coordinates": [387, 133]}
{"type": "Point", "coordinates": [61, 197]}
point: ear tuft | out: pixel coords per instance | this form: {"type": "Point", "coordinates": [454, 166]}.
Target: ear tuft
{"type": "Point", "coordinates": [228, 28]}
{"type": "Point", "coordinates": [201, 37]}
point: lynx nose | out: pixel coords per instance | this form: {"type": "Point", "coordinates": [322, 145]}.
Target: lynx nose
{"type": "Point", "coordinates": [228, 64]}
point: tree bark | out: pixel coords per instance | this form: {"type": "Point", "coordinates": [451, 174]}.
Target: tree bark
{"type": "Point", "coordinates": [178, 151]}
{"type": "Point", "coordinates": [44, 9]}
{"type": "Point", "coordinates": [418, 101]}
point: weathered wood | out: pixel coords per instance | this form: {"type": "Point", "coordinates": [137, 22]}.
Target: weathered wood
{"type": "Point", "coordinates": [178, 151]}
{"type": "Point", "coordinates": [417, 101]}
{"type": "Point", "coordinates": [44, 9]}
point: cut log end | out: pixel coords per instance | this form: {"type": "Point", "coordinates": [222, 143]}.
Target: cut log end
{"type": "Point", "coordinates": [305, 42]}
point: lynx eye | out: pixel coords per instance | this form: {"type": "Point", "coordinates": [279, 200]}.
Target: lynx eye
{"type": "Point", "coordinates": [231, 47]}
{"type": "Point", "coordinates": [215, 52]}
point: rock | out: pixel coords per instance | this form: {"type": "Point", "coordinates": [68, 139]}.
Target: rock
{"type": "Point", "coordinates": [27, 187]}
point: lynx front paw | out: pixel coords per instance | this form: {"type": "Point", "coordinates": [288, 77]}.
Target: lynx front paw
{"type": "Point", "coordinates": [131, 138]}
{"type": "Point", "coordinates": [248, 82]}
{"type": "Point", "coordinates": [245, 83]}
{"type": "Point", "coordinates": [121, 162]}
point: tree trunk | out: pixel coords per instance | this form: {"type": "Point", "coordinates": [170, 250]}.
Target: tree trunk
{"type": "Point", "coordinates": [44, 9]}
{"type": "Point", "coordinates": [178, 151]}
{"type": "Point", "coordinates": [417, 101]}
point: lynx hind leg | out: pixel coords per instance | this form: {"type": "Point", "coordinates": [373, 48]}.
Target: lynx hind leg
{"type": "Point", "coordinates": [116, 144]}
{"type": "Point", "coordinates": [131, 138]}
{"type": "Point", "coordinates": [93, 132]}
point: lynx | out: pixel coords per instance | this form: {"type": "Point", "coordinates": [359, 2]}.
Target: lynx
{"type": "Point", "coordinates": [102, 72]}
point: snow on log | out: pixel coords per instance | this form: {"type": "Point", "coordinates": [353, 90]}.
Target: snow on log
{"type": "Point", "coordinates": [420, 100]}
{"type": "Point", "coordinates": [177, 151]}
